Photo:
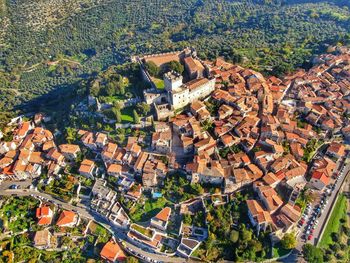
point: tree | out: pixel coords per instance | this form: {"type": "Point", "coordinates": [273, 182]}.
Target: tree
{"type": "Point", "coordinates": [118, 115]}
{"type": "Point", "coordinates": [136, 117]}
{"type": "Point", "coordinates": [132, 259]}
{"type": "Point", "coordinates": [152, 68]}
{"type": "Point", "coordinates": [143, 108]}
{"type": "Point", "coordinates": [312, 254]}
{"type": "Point", "coordinates": [289, 241]}
{"type": "Point", "coordinates": [245, 234]}
{"type": "Point", "coordinates": [234, 236]}
{"type": "Point", "coordinates": [176, 66]}
{"type": "Point", "coordinates": [110, 90]}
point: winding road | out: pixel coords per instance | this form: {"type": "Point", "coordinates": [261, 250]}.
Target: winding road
{"type": "Point", "coordinates": [86, 212]}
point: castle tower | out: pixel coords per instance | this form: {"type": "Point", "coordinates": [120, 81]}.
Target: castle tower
{"type": "Point", "coordinates": [172, 81]}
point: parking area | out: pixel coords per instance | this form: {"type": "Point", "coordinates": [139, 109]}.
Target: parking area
{"type": "Point", "coordinates": [316, 213]}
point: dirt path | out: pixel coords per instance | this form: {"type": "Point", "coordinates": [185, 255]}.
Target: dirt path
{"type": "Point", "coordinates": [33, 67]}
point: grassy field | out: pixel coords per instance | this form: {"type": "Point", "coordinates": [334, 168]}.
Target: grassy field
{"type": "Point", "coordinates": [127, 115]}
{"type": "Point", "coordinates": [334, 223]}
{"type": "Point", "coordinates": [159, 83]}
{"type": "Point", "coordinates": [144, 212]}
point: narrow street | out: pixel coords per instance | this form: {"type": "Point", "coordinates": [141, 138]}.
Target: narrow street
{"type": "Point", "coordinates": [86, 212]}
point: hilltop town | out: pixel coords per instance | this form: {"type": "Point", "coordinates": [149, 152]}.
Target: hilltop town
{"type": "Point", "coordinates": [229, 157]}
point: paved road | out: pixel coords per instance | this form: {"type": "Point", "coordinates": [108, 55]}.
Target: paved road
{"type": "Point", "coordinates": [23, 184]}
{"type": "Point", "coordinates": [295, 255]}
{"type": "Point", "coordinates": [90, 214]}
{"type": "Point", "coordinates": [328, 207]}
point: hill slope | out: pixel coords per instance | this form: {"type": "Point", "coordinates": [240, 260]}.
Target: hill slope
{"type": "Point", "coordinates": [50, 44]}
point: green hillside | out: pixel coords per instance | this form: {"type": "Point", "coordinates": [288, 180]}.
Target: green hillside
{"type": "Point", "coordinates": [82, 37]}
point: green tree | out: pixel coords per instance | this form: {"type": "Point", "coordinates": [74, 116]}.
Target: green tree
{"type": "Point", "coordinates": [152, 68]}
{"type": "Point", "coordinates": [132, 259]}
{"type": "Point", "coordinates": [234, 236]}
{"type": "Point", "coordinates": [289, 241]}
{"type": "Point", "coordinates": [176, 66]}
{"type": "Point", "coordinates": [136, 117]}
{"type": "Point", "coordinates": [110, 90]}
{"type": "Point", "coordinates": [117, 114]}
{"type": "Point", "coordinates": [312, 254]}
{"type": "Point", "coordinates": [143, 108]}
{"type": "Point", "coordinates": [246, 234]}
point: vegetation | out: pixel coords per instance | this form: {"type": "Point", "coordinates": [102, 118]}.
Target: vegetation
{"type": "Point", "coordinates": [177, 188]}
{"type": "Point", "coordinates": [145, 231]}
{"type": "Point", "coordinates": [48, 47]}
{"type": "Point", "coordinates": [311, 148]}
{"type": "Point", "coordinates": [289, 241]}
{"type": "Point", "coordinates": [337, 225]}
{"type": "Point", "coordinates": [312, 254]}
{"type": "Point", "coordinates": [229, 237]}
{"type": "Point", "coordinates": [65, 188]}
{"type": "Point", "coordinates": [145, 210]}
{"type": "Point", "coordinates": [18, 214]}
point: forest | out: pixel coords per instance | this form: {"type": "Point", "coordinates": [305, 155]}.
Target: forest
{"type": "Point", "coordinates": [48, 47]}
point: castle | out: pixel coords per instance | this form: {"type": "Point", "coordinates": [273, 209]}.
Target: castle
{"type": "Point", "coordinates": [176, 93]}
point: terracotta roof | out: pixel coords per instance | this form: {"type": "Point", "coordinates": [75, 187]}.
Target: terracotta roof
{"type": "Point", "coordinates": [112, 252]}
{"type": "Point", "coordinates": [271, 179]}
{"type": "Point", "coordinates": [292, 212]}
{"type": "Point", "coordinates": [66, 218]}
{"type": "Point", "coordinates": [336, 148]}
{"type": "Point", "coordinates": [317, 175]}
{"type": "Point", "coordinates": [69, 148]}
{"type": "Point", "coordinates": [86, 166]}
{"type": "Point", "coordinates": [197, 105]}
{"type": "Point", "coordinates": [196, 83]}
{"type": "Point", "coordinates": [114, 168]}
{"type": "Point", "coordinates": [164, 214]}
{"type": "Point", "coordinates": [43, 215]}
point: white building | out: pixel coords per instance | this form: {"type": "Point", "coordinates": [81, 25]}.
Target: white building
{"type": "Point", "coordinates": [180, 94]}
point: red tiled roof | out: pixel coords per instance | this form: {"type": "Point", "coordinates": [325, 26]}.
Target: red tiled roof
{"type": "Point", "coordinates": [112, 252]}
{"type": "Point", "coordinates": [66, 217]}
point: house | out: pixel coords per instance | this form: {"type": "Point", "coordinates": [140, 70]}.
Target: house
{"type": "Point", "coordinates": [194, 67]}
{"type": "Point", "coordinates": [149, 180]}
{"type": "Point", "coordinates": [133, 148]}
{"type": "Point", "coordinates": [134, 192]}
{"type": "Point", "coordinates": [286, 220]}
{"type": "Point", "coordinates": [101, 139]}
{"type": "Point", "coordinates": [114, 169]}
{"type": "Point", "coordinates": [162, 141]}
{"type": "Point", "coordinates": [258, 217]}
{"type": "Point", "coordinates": [44, 215]}
{"type": "Point", "coordinates": [109, 151]}
{"type": "Point", "coordinates": [69, 151]}
{"type": "Point", "coordinates": [67, 219]}
{"type": "Point", "coordinates": [336, 149]}
{"type": "Point", "coordinates": [89, 141]}
{"type": "Point", "coordinates": [87, 168]}
{"type": "Point", "coordinates": [187, 246]}
{"type": "Point", "coordinates": [56, 156]}
{"type": "Point", "coordinates": [160, 221]}
{"type": "Point", "coordinates": [112, 252]}
{"type": "Point", "coordinates": [23, 130]}
{"type": "Point", "coordinates": [42, 239]}
{"type": "Point", "coordinates": [140, 162]}
{"type": "Point", "coordinates": [319, 180]}
{"type": "Point", "coordinates": [271, 179]}
{"type": "Point", "coordinates": [268, 196]}
{"type": "Point", "coordinates": [145, 236]}
{"type": "Point", "coordinates": [225, 111]}
{"type": "Point", "coordinates": [197, 106]}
